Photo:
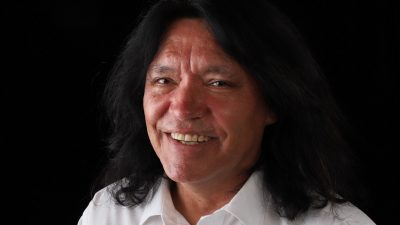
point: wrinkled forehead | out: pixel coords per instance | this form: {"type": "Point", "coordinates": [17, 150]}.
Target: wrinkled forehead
{"type": "Point", "coordinates": [189, 36]}
{"type": "Point", "coordinates": [189, 31]}
{"type": "Point", "coordinates": [191, 27]}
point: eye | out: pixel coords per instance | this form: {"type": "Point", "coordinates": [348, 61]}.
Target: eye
{"type": "Point", "coordinates": [219, 83]}
{"type": "Point", "coordinates": [162, 81]}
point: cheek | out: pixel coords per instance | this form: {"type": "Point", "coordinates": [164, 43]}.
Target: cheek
{"type": "Point", "coordinates": [241, 121]}
{"type": "Point", "coordinates": [227, 120]}
{"type": "Point", "coordinates": [153, 107]}
{"type": "Point", "coordinates": [152, 112]}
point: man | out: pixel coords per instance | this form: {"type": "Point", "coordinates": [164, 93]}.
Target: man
{"type": "Point", "coordinates": [221, 116]}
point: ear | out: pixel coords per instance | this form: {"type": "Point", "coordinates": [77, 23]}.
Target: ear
{"type": "Point", "coordinates": [270, 118]}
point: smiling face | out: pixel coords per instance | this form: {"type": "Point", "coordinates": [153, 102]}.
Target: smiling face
{"type": "Point", "coordinates": [205, 115]}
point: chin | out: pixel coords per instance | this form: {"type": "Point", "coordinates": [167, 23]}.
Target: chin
{"type": "Point", "coordinates": [185, 176]}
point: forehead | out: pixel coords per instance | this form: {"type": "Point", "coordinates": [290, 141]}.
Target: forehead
{"type": "Point", "coordinates": [190, 34]}
{"type": "Point", "coordinates": [190, 45]}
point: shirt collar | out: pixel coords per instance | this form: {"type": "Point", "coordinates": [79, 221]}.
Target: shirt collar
{"type": "Point", "coordinates": [249, 205]}
{"type": "Point", "coordinates": [154, 206]}
{"type": "Point", "coordinates": [160, 204]}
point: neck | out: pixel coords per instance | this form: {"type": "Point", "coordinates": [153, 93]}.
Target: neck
{"type": "Point", "coordinates": [194, 200]}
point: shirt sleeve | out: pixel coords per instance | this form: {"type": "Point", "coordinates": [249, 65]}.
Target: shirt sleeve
{"type": "Point", "coordinates": [80, 221]}
{"type": "Point", "coordinates": [103, 210]}
{"type": "Point", "coordinates": [98, 210]}
{"type": "Point", "coordinates": [349, 214]}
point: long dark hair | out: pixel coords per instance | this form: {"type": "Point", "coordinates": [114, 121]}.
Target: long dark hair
{"type": "Point", "coordinates": [304, 159]}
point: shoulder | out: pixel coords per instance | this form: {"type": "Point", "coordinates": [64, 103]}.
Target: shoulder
{"type": "Point", "coordinates": [335, 214]}
{"type": "Point", "coordinates": [350, 214]}
{"type": "Point", "coordinates": [104, 210]}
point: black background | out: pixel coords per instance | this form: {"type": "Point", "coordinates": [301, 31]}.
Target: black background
{"type": "Point", "coordinates": [60, 52]}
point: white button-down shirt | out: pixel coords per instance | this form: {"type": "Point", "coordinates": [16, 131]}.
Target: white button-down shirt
{"type": "Point", "coordinates": [247, 207]}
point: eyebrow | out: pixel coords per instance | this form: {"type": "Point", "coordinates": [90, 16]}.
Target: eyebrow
{"type": "Point", "coordinates": [218, 69]}
{"type": "Point", "coordinates": [160, 69]}
{"type": "Point", "coordinates": [223, 70]}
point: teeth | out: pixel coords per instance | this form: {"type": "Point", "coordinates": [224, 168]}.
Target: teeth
{"type": "Point", "coordinates": [200, 138]}
{"type": "Point", "coordinates": [189, 138]}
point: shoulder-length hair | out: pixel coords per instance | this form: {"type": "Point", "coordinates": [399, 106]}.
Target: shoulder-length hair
{"type": "Point", "coordinates": [304, 157]}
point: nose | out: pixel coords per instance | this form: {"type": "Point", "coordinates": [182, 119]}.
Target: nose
{"type": "Point", "coordinates": [188, 101]}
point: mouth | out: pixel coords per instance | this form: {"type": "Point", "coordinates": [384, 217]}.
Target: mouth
{"type": "Point", "coordinates": [190, 139]}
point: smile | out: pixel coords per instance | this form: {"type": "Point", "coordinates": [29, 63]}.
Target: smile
{"type": "Point", "coordinates": [189, 139]}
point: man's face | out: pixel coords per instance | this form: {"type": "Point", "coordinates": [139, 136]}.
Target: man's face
{"type": "Point", "coordinates": [204, 114]}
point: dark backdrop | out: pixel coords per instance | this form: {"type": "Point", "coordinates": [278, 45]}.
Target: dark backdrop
{"type": "Point", "coordinates": [61, 52]}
